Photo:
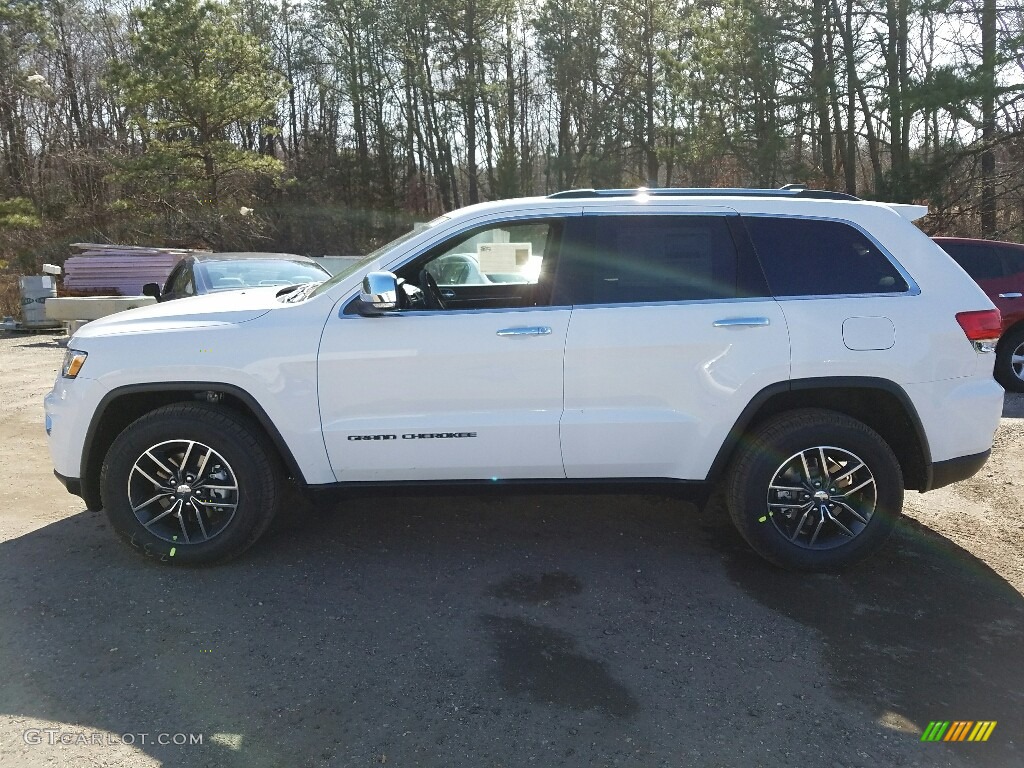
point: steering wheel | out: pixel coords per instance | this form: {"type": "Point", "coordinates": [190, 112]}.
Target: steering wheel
{"type": "Point", "coordinates": [410, 296]}
{"type": "Point", "coordinates": [431, 292]}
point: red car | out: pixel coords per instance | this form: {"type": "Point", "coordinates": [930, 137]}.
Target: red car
{"type": "Point", "coordinates": [998, 268]}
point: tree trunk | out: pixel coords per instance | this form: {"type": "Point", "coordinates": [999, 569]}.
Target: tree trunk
{"type": "Point", "coordinates": [988, 118]}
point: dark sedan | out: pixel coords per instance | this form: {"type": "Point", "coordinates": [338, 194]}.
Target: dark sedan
{"type": "Point", "coordinates": [201, 273]}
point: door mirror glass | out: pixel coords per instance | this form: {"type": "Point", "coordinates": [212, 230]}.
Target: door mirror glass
{"type": "Point", "coordinates": [379, 293]}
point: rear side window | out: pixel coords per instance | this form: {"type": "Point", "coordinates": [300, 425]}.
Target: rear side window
{"type": "Point", "coordinates": [1013, 260]}
{"type": "Point", "coordinates": [809, 257]}
{"type": "Point", "coordinates": [637, 259]}
{"type": "Point", "coordinates": [981, 262]}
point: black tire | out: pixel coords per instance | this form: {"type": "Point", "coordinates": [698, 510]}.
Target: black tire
{"type": "Point", "coordinates": [782, 453]}
{"type": "Point", "coordinates": [1004, 371]}
{"type": "Point", "coordinates": [234, 519]}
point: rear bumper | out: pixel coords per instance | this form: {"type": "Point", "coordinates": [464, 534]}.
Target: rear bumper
{"type": "Point", "coordinates": [954, 470]}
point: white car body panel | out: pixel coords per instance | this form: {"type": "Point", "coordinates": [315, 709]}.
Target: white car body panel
{"type": "Point", "coordinates": [272, 358]}
{"type": "Point", "coordinates": [652, 391]}
{"type": "Point", "coordinates": [443, 373]}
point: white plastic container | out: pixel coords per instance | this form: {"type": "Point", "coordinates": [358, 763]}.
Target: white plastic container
{"type": "Point", "coordinates": [36, 290]}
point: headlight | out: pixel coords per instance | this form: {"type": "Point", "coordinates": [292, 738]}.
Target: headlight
{"type": "Point", "coordinates": [73, 362]}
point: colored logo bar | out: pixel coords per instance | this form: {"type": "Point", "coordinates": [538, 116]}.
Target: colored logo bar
{"type": "Point", "coordinates": [958, 730]}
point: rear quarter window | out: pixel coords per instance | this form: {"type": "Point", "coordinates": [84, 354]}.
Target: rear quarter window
{"type": "Point", "coordinates": [811, 257]}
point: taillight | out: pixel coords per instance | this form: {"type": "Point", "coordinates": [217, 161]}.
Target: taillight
{"type": "Point", "coordinates": [981, 327]}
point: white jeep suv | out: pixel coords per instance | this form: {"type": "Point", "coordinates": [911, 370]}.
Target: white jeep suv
{"type": "Point", "coordinates": [809, 354]}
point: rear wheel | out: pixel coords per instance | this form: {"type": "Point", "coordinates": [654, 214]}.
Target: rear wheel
{"type": "Point", "coordinates": [814, 490]}
{"type": "Point", "coordinates": [190, 483]}
{"type": "Point", "coordinates": [1009, 370]}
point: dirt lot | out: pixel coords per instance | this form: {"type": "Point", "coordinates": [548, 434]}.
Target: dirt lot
{"type": "Point", "coordinates": [501, 631]}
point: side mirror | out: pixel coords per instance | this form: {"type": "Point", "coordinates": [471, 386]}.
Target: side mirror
{"type": "Point", "coordinates": [151, 289]}
{"type": "Point", "coordinates": [379, 293]}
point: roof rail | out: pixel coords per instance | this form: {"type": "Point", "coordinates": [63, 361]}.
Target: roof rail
{"type": "Point", "coordinates": [790, 190]}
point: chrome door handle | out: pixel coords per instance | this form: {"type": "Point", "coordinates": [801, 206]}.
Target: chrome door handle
{"type": "Point", "coordinates": [741, 322]}
{"type": "Point", "coordinates": [448, 293]}
{"type": "Point", "coordinates": [1010, 295]}
{"type": "Point", "coordinates": [526, 330]}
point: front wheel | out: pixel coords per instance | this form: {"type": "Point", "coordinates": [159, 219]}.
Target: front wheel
{"type": "Point", "coordinates": [190, 483]}
{"type": "Point", "coordinates": [814, 490]}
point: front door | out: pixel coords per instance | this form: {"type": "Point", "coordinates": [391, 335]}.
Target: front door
{"type": "Point", "coordinates": [464, 382]}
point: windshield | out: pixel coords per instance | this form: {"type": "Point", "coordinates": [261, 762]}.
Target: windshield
{"type": "Point", "coordinates": [232, 274]}
{"type": "Point", "coordinates": [370, 257]}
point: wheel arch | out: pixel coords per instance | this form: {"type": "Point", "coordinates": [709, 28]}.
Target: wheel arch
{"type": "Point", "coordinates": [879, 403]}
{"type": "Point", "coordinates": [121, 406]}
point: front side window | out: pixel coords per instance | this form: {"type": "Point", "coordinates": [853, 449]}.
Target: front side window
{"type": "Point", "coordinates": [812, 257]}
{"type": "Point", "coordinates": [497, 266]}
{"type": "Point", "coordinates": [183, 283]}
{"type": "Point", "coordinates": [639, 259]}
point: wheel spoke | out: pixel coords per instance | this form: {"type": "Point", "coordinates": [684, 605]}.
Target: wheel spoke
{"type": "Point", "coordinates": [807, 468]}
{"type": "Point", "coordinates": [199, 517]}
{"type": "Point", "coordinates": [141, 471]}
{"type": "Point", "coordinates": [170, 510]}
{"type": "Point", "coordinates": [824, 465]}
{"type": "Point", "coordinates": [181, 520]}
{"type": "Point", "coordinates": [202, 464]}
{"type": "Point", "coordinates": [788, 488]}
{"type": "Point", "coordinates": [797, 505]}
{"type": "Point", "coordinates": [860, 518]}
{"type": "Point", "coordinates": [147, 502]}
{"type": "Point", "coordinates": [184, 459]}
{"type": "Point", "coordinates": [159, 463]}
{"type": "Point", "coordinates": [846, 474]}
{"type": "Point", "coordinates": [217, 504]}
{"type": "Point", "coordinates": [817, 528]}
{"type": "Point", "coordinates": [841, 527]}
{"type": "Point", "coordinates": [800, 525]}
{"type": "Point", "coordinates": [847, 492]}
{"type": "Point", "coordinates": [218, 487]}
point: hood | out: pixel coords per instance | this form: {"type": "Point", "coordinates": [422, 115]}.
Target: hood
{"type": "Point", "coordinates": [228, 308]}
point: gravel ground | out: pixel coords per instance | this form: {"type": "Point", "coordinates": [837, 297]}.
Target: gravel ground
{"type": "Point", "coordinates": [573, 630]}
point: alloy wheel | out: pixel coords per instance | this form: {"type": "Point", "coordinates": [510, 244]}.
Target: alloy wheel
{"type": "Point", "coordinates": [183, 491]}
{"type": "Point", "coordinates": [821, 498]}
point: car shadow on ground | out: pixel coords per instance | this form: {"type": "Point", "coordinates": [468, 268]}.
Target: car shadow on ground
{"type": "Point", "coordinates": [553, 630]}
{"type": "Point", "coordinates": [923, 631]}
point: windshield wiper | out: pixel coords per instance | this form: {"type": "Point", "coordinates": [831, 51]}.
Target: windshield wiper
{"type": "Point", "coordinates": [298, 292]}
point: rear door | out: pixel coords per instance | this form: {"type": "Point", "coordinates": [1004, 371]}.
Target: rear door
{"type": "Point", "coordinates": [672, 334]}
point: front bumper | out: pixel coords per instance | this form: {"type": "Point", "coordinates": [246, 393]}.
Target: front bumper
{"type": "Point", "coordinates": [73, 484]}
{"type": "Point", "coordinates": [69, 407]}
